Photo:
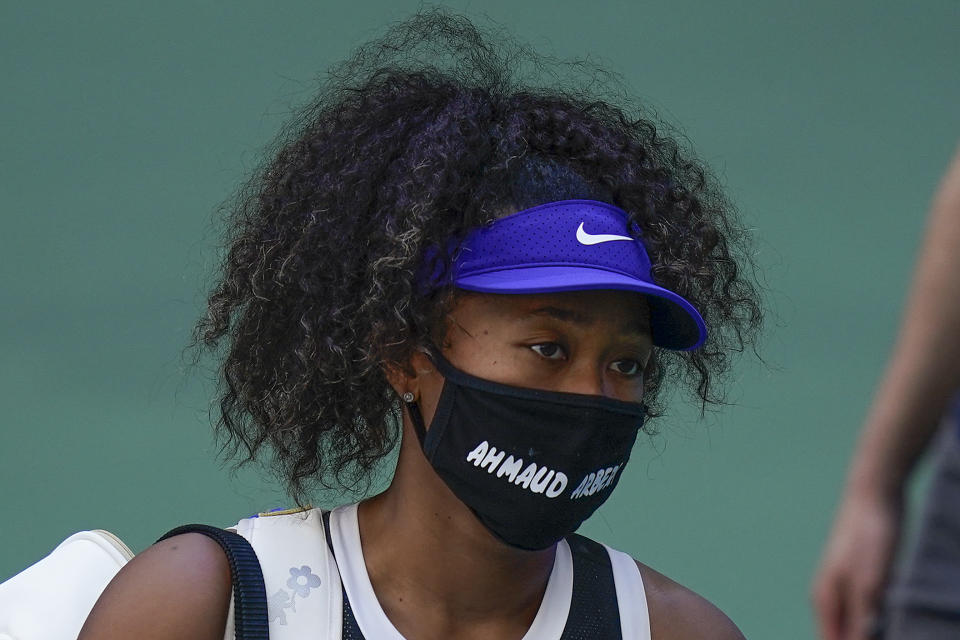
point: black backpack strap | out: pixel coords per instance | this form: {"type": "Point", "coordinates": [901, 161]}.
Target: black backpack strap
{"type": "Point", "coordinates": [249, 593]}
{"type": "Point", "coordinates": [351, 630]}
{"type": "Point", "coordinates": [594, 612]}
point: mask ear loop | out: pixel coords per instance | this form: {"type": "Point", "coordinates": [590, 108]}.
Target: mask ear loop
{"type": "Point", "coordinates": [415, 417]}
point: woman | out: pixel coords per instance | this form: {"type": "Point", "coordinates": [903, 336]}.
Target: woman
{"type": "Point", "coordinates": [499, 276]}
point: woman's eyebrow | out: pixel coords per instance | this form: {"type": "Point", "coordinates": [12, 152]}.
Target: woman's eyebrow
{"type": "Point", "coordinates": [563, 314]}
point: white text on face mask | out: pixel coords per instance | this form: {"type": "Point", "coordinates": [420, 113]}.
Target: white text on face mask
{"type": "Point", "coordinates": [538, 479]}
{"type": "Point", "coordinates": [595, 481]}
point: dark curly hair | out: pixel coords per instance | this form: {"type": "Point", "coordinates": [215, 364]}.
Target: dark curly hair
{"type": "Point", "coordinates": [422, 135]}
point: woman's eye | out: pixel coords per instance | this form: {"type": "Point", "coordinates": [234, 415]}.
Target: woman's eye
{"type": "Point", "coordinates": [549, 350]}
{"type": "Point", "coordinates": [626, 367]}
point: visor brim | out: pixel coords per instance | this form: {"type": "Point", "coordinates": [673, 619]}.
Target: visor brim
{"type": "Point", "coordinates": [674, 323]}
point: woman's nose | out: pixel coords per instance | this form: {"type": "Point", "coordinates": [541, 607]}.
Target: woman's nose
{"type": "Point", "coordinates": [586, 380]}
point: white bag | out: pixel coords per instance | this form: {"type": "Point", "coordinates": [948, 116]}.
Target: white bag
{"type": "Point", "coordinates": [50, 600]}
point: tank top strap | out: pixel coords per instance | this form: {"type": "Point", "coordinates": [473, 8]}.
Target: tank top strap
{"type": "Point", "coordinates": [351, 629]}
{"type": "Point", "coordinates": [631, 596]}
{"type": "Point", "coordinates": [593, 608]}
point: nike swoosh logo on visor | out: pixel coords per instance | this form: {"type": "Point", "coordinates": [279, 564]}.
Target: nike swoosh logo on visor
{"type": "Point", "coordinates": [596, 238]}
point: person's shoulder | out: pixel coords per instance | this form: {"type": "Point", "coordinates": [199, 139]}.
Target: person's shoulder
{"type": "Point", "coordinates": [177, 588]}
{"type": "Point", "coordinates": [677, 613]}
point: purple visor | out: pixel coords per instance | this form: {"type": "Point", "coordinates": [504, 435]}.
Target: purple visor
{"type": "Point", "coordinates": [573, 245]}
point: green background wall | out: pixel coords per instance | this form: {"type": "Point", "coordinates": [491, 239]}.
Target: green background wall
{"type": "Point", "coordinates": [122, 125]}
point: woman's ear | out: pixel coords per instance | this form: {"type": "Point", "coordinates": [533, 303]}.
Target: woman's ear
{"type": "Point", "coordinates": [421, 362]}
{"type": "Point", "coordinates": [407, 377]}
{"type": "Point", "coordinates": [398, 376]}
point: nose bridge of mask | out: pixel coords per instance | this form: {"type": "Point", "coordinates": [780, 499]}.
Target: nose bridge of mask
{"type": "Point", "coordinates": [458, 377]}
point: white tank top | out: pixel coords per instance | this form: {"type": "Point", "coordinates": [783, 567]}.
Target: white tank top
{"type": "Point", "coordinates": [305, 582]}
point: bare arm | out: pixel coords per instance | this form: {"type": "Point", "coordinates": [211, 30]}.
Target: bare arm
{"type": "Point", "coordinates": [924, 370]}
{"type": "Point", "coordinates": [922, 375]}
{"type": "Point", "coordinates": [677, 613]}
{"type": "Point", "coordinates": [177, 589]}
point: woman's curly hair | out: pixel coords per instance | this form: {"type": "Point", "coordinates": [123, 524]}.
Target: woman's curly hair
{"type": "Point", "coordinates": [431, 131]}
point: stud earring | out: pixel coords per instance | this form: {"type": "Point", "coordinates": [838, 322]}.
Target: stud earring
{"type": "Point", "coordinates": [408, 397]}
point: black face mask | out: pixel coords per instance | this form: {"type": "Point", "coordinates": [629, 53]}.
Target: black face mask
{"type": "Point", "coordinates": [532, 465]}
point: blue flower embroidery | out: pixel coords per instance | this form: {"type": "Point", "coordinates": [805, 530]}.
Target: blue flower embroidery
{"type": "Point", "coordinates": [277, 603]}
{"type": "Point", "coordinates": [302, 580]}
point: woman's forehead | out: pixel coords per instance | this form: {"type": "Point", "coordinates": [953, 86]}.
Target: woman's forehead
{"type": "Point", "coordinates": [626, 310]}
